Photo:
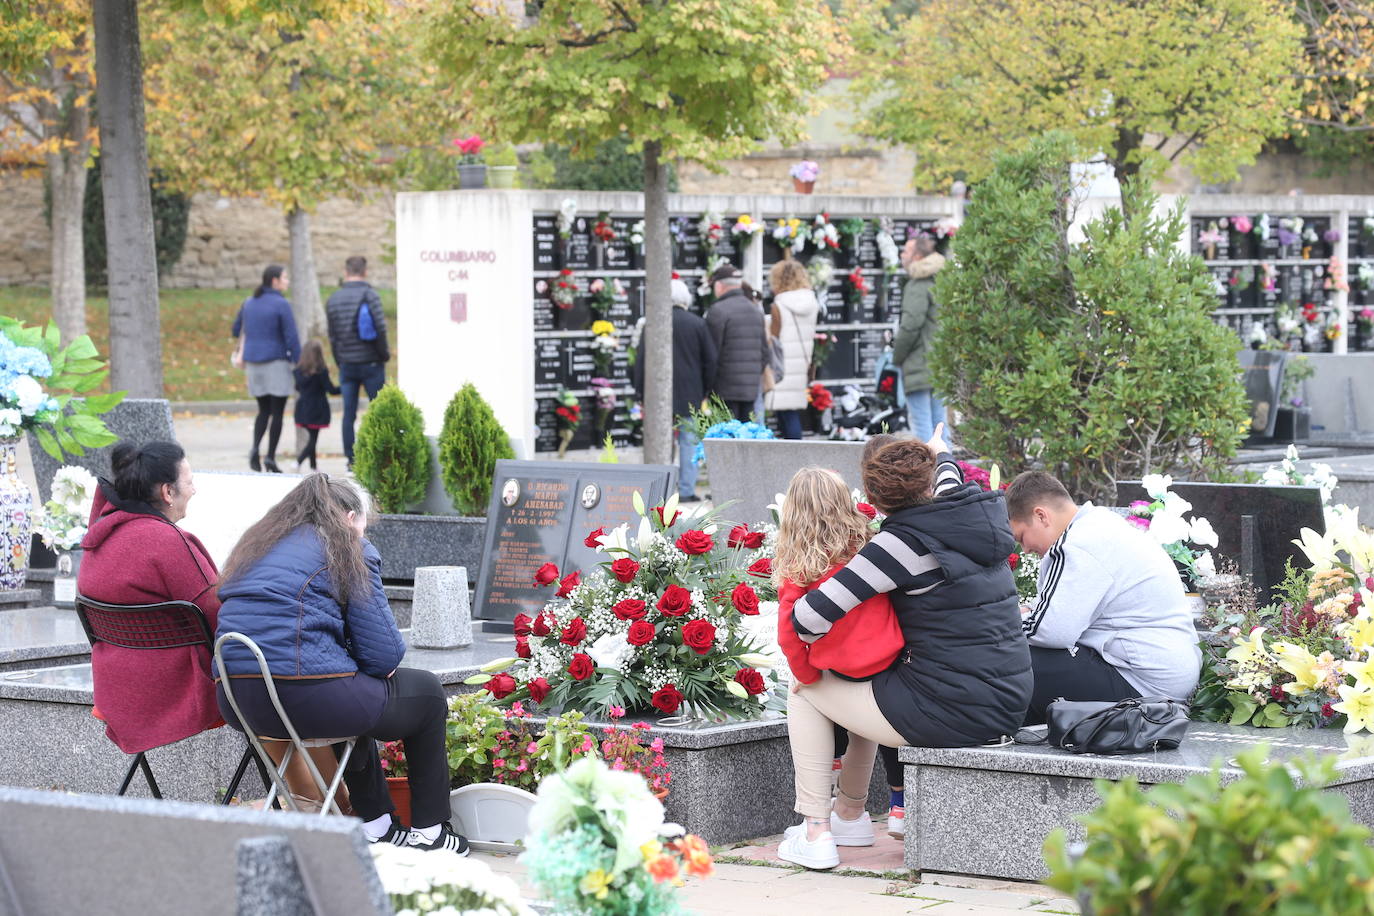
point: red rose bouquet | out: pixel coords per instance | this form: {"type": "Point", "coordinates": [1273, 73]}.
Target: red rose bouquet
{"type": "Point", "coordinates": [662, 625]}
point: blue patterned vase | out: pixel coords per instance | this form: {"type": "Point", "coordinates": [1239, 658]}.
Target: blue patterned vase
{"type": "Point", "coordinates": [16, 519]}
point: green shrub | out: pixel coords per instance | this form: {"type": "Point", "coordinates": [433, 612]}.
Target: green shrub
{"type": "Point", "coordinates": [391, 455]}
{"type": "Point", "coordinates": [470, 444]}
{"type": "Point", "coordinates": [1262, 844]}
{"type": "Point", "coordinates": [1098, 360]}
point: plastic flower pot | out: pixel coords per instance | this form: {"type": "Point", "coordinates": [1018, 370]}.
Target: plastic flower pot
{"type": "Point", "coordinates": [803, 187]}
{"type": "Point", "coordinates": [399, 787]}
{"type": "Point", "coordinates": [489, 812]}
{"type": "Point", "coordinates": [501, 176]}
{"type": "Point", "coordinates": [472, 177]}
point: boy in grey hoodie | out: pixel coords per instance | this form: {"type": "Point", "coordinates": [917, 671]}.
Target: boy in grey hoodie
{"type": "Point", "coordinates": [1111, 621]}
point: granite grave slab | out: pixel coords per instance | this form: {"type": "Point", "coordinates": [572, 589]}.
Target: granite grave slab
{"type": "Point", "coordinates": [542, 511]}
{"type": "Point", "coordinates": [748, 473]}
{"type": "Point", "coordinates": [41, 637]}
{"type": "Point", "coordinates": [136, 420]}
{"type": "Point", "coordinates": [407, 542]}
{"type": "Point", "coordinates": [987, 811]}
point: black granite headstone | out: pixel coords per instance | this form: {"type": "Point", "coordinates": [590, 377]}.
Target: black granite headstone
{"type": "Point", "coordinates": [546, 243]}
{"type": "Point", "coordinates": [542, 511]}
{"type": "Point", "coordinates": [1263, 380]}
{"type": "Point", "coordinates": [1279, 514]}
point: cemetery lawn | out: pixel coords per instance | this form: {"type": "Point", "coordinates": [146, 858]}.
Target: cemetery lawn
{"type": "Point", "coordinates": [195, 335]}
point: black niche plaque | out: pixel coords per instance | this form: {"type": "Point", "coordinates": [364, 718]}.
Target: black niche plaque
{"type": "Point", "coordinates": [546, 243]}
{"type": "Point", "coordinates": [541, 512]}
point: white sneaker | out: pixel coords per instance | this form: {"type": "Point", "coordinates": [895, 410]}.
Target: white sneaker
{"type": "Point", "coordinates": [896, 822]}
{"type": "Point", "coordinates": [819, 853]}
{"type": "Point", "coordinates": [858, 832]}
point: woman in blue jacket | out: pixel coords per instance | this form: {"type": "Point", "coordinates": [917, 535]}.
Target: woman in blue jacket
{"type": "Point", "coordinates": [306, 586]}
{"type": "Point", "coordinates": [270, 347]}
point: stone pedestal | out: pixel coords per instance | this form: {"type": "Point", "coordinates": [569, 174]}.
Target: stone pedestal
{"type": "Point", "coordinates": [441, 616]}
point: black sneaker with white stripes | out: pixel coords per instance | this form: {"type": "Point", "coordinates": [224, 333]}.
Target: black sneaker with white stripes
{"type": "Point", "coordinates": [447, 839]}
{"type": "Point", "coordinates": [397, 834]}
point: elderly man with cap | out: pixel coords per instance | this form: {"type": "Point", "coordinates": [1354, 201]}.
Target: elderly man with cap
{"type": "Point", "coordinates": [694, 367]}
{"type": "Point", "coordinates": [738, 330]}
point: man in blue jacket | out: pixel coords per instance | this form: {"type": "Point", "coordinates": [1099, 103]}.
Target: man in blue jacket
{"type": "Point", "coordinates": [357, 335]}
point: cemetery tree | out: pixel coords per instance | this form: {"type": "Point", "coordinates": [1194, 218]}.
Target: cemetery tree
{"type": "Point", "coordinates": [1097, 361]}
{"type": "Point", "coordinates": [1337, 111]}
{"type": "Point", "coordinates": [294, 115]}
{"type": "Point", "coordinates": [695, 80]}
{"type": "Point", "coordinates": [46, 91]}
{"type": "Point", "coordinates": [1139, 84]}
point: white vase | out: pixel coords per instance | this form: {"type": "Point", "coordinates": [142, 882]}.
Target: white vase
{"type": "Point", "coordinates": [489, 812]}
{"type": "Point", "coordinates": [16, 519]}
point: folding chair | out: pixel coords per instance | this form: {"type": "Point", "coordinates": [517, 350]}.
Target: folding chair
{"type": "Point", "coordinates": [165, 625]}
{"type": "Point", "coordinates": [297, 743]}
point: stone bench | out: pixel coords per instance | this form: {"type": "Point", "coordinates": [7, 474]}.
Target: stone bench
{"type": "Point", "coordinates": [987, 811]}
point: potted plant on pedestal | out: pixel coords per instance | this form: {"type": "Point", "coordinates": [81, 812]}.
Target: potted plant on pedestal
{"type": "Point", "coordinates": [804, 175]}
{"type": "Point", "coordinates": [502, 165]}
{"type": "Point", "coordinates": [472, 165]}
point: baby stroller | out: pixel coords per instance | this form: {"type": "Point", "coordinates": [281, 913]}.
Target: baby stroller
{"type": "Point", "coordinates": [859, 415]}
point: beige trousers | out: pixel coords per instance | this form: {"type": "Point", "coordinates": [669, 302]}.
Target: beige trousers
{"type": "Point", "coordinates": [812, 714]}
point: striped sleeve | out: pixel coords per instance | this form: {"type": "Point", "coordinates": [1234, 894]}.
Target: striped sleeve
{"type": "Point", "coordinates": [948, 475]}
{"type": "Point", "coordinates": [886, 563]}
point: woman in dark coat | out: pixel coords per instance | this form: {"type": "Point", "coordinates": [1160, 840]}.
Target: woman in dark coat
{"type": "Point", "coordinates": [313, 388]}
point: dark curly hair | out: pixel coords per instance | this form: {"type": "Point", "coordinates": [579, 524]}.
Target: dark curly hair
{"type": "Point", "coordinates": [899, 474]}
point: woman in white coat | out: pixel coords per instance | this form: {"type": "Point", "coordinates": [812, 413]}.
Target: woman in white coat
{"type": "Point", "coordinates": [793, 322]}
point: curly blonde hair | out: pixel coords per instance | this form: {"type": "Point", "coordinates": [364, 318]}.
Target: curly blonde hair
{"type": "Point", "coordinates": [788, 275]}
{"type": "Point", "coordinates": [819, 527]}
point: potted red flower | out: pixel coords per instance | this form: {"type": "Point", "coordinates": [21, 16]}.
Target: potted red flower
{"type": "Point", "coordinates": [472, 166]}
{"type": "Point", "coordinates": [397, 779]}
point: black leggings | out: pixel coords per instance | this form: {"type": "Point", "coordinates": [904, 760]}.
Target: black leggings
{"type": "Point", "coordinates": [1083, 675]}
{"type": "Point", "coordinates": [270, 408]}
{"type": "Point", "coordinates": [895, 775]}
{"type": "Point", "coordinates": [309, 451]}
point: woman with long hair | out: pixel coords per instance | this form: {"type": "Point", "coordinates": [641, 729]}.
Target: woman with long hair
{"type": "Point", "coordinates": [313, 388]}
{"type": "Point", "coordinates": [305, 584]}
{"type": "Point", "coordinates": [793, 323]}
{"type": "Point", "coordinates": [270, 347]}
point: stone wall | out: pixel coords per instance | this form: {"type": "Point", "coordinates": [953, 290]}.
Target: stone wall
{"type": "Point", "coordinates": [859, 172]}
{"type": "Point", "coordinates": [24, 236]}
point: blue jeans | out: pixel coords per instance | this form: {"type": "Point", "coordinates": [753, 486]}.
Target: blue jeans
{"type": "Point", "coordinates": [687, 469]}
{"type": "Point", "coordinates": [789, 423]}
{"type": "Point", "coordinates": [925, 409]}
{"type": "Point", "coordinates": [371, 376]}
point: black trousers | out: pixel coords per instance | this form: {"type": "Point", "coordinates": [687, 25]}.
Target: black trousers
{"type": "Point", "coordinates": [1082, 675]}
{"type": "Point", "coordinates": [308, 453]}
{"type": "Point", "coordinates": [414, 713]}
{"type": "Point", "coordinates": [741, 409]}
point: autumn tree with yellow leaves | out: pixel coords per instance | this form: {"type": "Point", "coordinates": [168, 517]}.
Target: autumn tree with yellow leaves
{"type": "Point", "coordinates": [1138, 84]}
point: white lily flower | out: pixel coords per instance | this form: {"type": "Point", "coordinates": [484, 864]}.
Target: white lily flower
{"type": "Point", "coordinates": [1156, 484]}
{"type": "Point", "coordinates": [1205, 565]}
{"type": "Point", "coordinates": [1167, 528]}
{"type": "Point", "coordinates": [1176, 505]}
{"type": "Point", "coordinates": [1202, 533]}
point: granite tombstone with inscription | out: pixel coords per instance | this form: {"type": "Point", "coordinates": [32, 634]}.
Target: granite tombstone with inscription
{"type": "Point", "coordinates": [542, 511]}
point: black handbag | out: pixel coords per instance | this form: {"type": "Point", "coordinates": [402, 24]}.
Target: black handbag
{"type": "Point", "coordinates": [1126, 727]}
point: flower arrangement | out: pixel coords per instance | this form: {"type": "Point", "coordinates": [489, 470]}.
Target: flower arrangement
{"type": "Point", "coordinates": [1310, 313]}
{"type": "Point", "coordinates": [1335, 276]}
{"type": "Point", "coordinates": [745, 229]}
{"type": "Point", "coordinates": [626, 749]}
{"type": "Point", "coordinates": [945, 227]}
{"type": "Point", "coordinates": [857, 287]}
{"type": "Point", "coordinates": [986, 479]}
{"type": "Point", "coordinates": [1306, 659]}
{"type": "Point", "coordinates": [637, 235]}
{"type": "Point", "coordinates": [604, 391]}
{"type": "Point", "coordinates": [1270, 275]}
{"type": "Point", "coordinates": [563, 291]}
{"type": "Point", "coordinates": [1309, 237]}
{"type": "Point", "coordinates": [658, 625]}
{"type": "Point", "coordinates": [32, 358]}
{"type": "Point", "coordinates": [1025, 568]}
{"type": "Point", "coordinates": [805, 170]}
{"type": "Point", "coordinates": [1366, 276]}
{"type": "Point", "coordinates": [605, 342]}
{"type": "Point", "coordinates": [1286, 320]}
{"type": "Point", "coordinates": [1365, 319]}
{"type": "Point", "coordinates": [887, 247]}
{"type": "Point", "coordinates": [488, 743]}
{"type": "Point", "coordinates": [1242, 224]}
{"type": "Point", "coordinates": [1258, 335]}
{"type": "Point", "coordinates": [1209, 238]}
{"type": "Point", "coordinates": [1162, 516]}
{"type": "Point", "coordinates": [1286, 474]}
{"type": "Point", "coordinates": [851, 230]}
{"type": "Point", "coordinates": [730, 429]}
{"type": "Point", "coordinates": [602, 230]}
{"type": "Point", "coordinates": [604, 293]}
{"type": "Point", "coordinates": [418, 882]}
{"type": "Point", "coordinates": [470, 149]}
{"type": "Point", "coordinates": [1331, 236]}
{"type": "Point", "coordinates": [1289, 231]}
{"type": "Point", "coordinates": [1261, 227]}
{"type": "Point", "coordinates": [789, 235]}
{"type": "Point", "coordinates": [823, 343]}
{"type": "Point", "coordinates": [1297, 370]}
{"type": "Point", "coordinates": [598, 845]}
{"type": "Point", "coordinates": [1332, 327]}
{"type": "Point", "coordinates": [569, 413]}
{"type": "Point", "coordinates": [706, 288]}
{"type": "Point", "coordinates": [711, 228]}
{"type": "Point", "coordinates": [820, 271]}
{"type": "Point", "coordinates": [567, 217]}
{"type": "Point", "coordinates": [61, 522]}
{"type": "Point", "coordinates": [393, 756]}
{"type": "Point", "coordinates": [819, 397]}
{"type": "Point", "coordinates": [824, 235]}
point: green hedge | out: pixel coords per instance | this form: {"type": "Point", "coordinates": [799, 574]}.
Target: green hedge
{"type": "Point", "coordinates": [391, 456]}
{"type": "Point", "coordinates": [470, 444]}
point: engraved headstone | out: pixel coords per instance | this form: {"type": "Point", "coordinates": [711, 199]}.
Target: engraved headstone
{"type": "Point", "coordinates": [541, 512]}
{"type": "Point", "coordinates": [1263, 378]}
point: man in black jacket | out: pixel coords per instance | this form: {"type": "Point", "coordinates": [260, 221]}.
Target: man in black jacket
{"type": "Point", "coordinates": [694, 366]}
{"type": "Point", "coordinates": [736, 323]}
{"type": "Point", "coordinates": [357, 335]}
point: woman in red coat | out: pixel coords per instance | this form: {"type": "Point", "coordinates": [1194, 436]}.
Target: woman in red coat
{"type": "Point", "coordinates": [136, 554]}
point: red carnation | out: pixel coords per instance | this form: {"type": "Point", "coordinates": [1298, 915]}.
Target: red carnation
{"type": "Point", "coordinates": [641, 633]}
{"type": "Point", "coordinates": [567, 584]}
{"type": "Point", "coordinates": [866, 510]}
{"type": "Point", "coordinates": [574, 633]}
{"type": "Point", "coordinates": [522, 647]}
{"type": "Point", "coordinates": [540, 627]}
{"type": "Point", "coordinates": [629, 609]}
{"type": "Point", "coordinates": [1328, 710]}
{"type": "Point", "coordinates": [522, 624]}
{"type": "Point", "coordinates": [695, 542]}
{"type": "Point", "coordinates": [699, 635]}
{"type": "Point", "coordinates": [501, 685]}
{"type": "Point", "coordinates": [1014, 560]}
{"type": "Point", "coordinates": [539, 688]}
{"type": "Point", "coordinates": [581, 667]}
{"type": "Point", "coordinates": [593, 540]}
{"type": "Point", "coordinates": [624, 569]}
{"type": "Point", "coordinates": [750, 680]}
{"type": "Point", "coordinates": [761, 567]}
{"type": "Point", "coordinates": [546, 575]}
{"type": "Point", "coordinates": [745, 600]}
{"type": "Point", "coordinates": [659, 510]}
{"type": "Point", "coordinates": [675, 602]}
{"type": "Point", "coordinates": [667, 699]}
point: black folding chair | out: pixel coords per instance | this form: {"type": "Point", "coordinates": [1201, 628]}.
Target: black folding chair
{"type": "Point", "coordinates": [165, 625]}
